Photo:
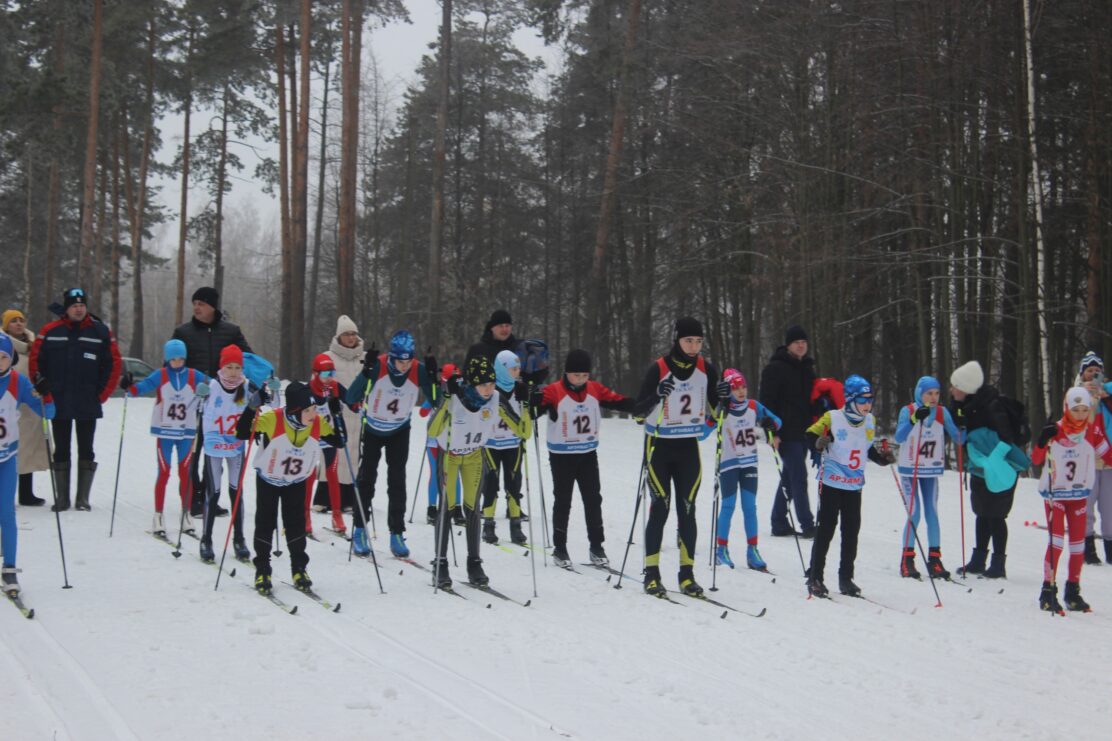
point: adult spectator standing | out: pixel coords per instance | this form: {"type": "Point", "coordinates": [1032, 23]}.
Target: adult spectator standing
{"type": "Point", "coordinates": [32, 445]}
{"type": "Point", "coordinates": [786, 384]}
{"type": "Point", "coordinates": [498, 335]}
{"type": "Point", "coordinates": [205, 336]}
{"type": "Point", "coordinates": [996, 429]}
{"type": "Point", "coordinates": [77, 357]}
{"type": "Point", "coordinates": [346, 351]}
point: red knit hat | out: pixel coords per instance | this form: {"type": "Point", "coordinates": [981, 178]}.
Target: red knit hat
{"type": "Point", "coordinates": [323, 362]}
{"type": "Point", "coordinates": [231, 354]}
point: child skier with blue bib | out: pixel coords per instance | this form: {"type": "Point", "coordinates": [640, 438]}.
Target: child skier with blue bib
{"type": "Point", "coordinates": [921, 432]}
{"type": "Point", "coordinates": [15, 390]}
{"type": "Point", "coordinates": [737, 470]}
{"type": "Point", "coordinates": [173, 425]}
{"type": "Point", "coordinates": [845, 439]}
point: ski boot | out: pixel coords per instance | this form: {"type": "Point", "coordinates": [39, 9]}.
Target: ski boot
{"type": "Point", "coordinates": [440, 572]}
{"type": "Point", "coordinates": [598, 556]}
{"type": "Point", "coordinates": [85, 472]}
{"type": "Point", "coordinates": [1091, 557]}
{"type": "Point", "coordinates": [976, 563]}
{"type": "Point", "coordinates": [241, 551]}
{"type": "Point", "coordinates": [475, 573]}
{"type": "Point", "coordinates": [8, 581]}
{"type": "Point", "coordinates": [187, 525]}
{"type": "Point", "coordinates": [430, 516]}
{"type": "Point", "coordinates": [753, 559]}
{"type": "Point", "coordinates": [934, 565]}
{"type": "Point", "coordinates": [722, 554]}
{"type": "Point", "coordinates": [653, 585]}
{"type": "Point", "coordinates": [1074, 602]}
{"type": "Point", "coordinates": [816, 588]}
{"type": "Point", "coordinates": [301, 581]}
{"type": "Point", "coordinates": [398, 546]}
{"type": "Point", "coordinates": [220, 511]}
{"type": "Point", "coordinates": [907, 565]}
{"type": "Point", "coordinates": [489, 536]}
{"type": "Point", "coordinates": [158, 526]}
{"type": "Point", "coordinates": [517, 535]}
{"type": "Point", "coordinates": [561, 558]}
{"type": "Point", "coordinates": [1048, 598]}
{"type": "Point", "coordinates": [847, 587]}
{"type": "Point", "coordinates": [996, 569]}
{"type": "Point", "coordinates": [338, 522]}
{"type": "Point", "coordinates": [62, 484]}
{"type": "Point", "coordinates": [206, 551]}
{"type": "Point", "coordinates": [688, 585]}
{"type": "Point", "coordinates": [359, 544]}
{"type": "Point", "coordinates": [458, 519]}
{"type": "Point", "coordinates": [263, 584]}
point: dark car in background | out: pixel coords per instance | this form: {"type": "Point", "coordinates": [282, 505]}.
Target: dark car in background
{"type": "Point", "coordinates": [138, 370]}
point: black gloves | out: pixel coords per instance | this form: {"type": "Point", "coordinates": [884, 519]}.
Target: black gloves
{"type": "Point", "coordinates": [1046, 434]}
{"type": "Point", "coordinates": [922, 413]}
{"type": "Point", "coordinates": [369, 360]}
{"type": "Point", "coordinates": [42, 386]}
{"type": "Point", "coordinates": [334, 406]}
{"type": "Point", "coordinates": [126, 380]}
{"type": "Point", "coordinates": [430, 366]}
{"type": "Point", "coordinates": [723, 390]}
{"type": "Point", "coordinates": [453, 384]}
{"type": "Point", "coordinates": [666, 386]}
{"type": "Point", "coordinates": [768, 425]}
{"type": "Point", "coordinates": [521, 392]}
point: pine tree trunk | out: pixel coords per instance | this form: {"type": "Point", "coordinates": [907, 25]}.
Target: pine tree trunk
{"type": "Point", "coordinates": [301, 199]}
{"type": "Point", "coordinates": [117, 129]}
{"type": "Point", "coordinates": [183, 222]}
{"type": "Point", "coordinates": [351, 57]}
{"type": "Point", "coordinates": [221, 182]}
{"type": "Point", "coordinates": [318, 219]}
{"type": "Point", "coordinates": [90, 175]}
{"type": "Point", "coordinates": [283, 189]}
{"type": "Point", "coordinates": [436, 224]}
{"type": "Point", "coordinates": [54, 186]}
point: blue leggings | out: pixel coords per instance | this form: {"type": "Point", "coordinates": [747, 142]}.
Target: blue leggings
{"type": "Point", "coordinates": [8, 479]}
{"type": "Point", "coordinates": [926, 502]}
{"type": "Point", "coordinates": [730, 481]}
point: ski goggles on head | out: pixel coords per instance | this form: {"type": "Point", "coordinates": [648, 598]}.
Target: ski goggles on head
{"type": "Point", "coordinates": [326, 373]}
{"type": "Point", "coordinates": [75, 296]}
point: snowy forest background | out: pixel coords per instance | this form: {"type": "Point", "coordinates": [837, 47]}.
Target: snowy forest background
{"type": "Point", "coordinates": [876, 170]}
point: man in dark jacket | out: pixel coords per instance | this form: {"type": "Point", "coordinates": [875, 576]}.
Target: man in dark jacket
{"type": "Point", "coordinates": [205, 335]}
{"type": "Point", "coordinates": [77, 357]}
{"type": "Point", "coordinates": [498, 335]}
{"type": "Point", "coordinates": [786, 390]}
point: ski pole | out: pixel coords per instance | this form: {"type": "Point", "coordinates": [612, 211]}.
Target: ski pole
{"type": "Point", "coordinates": [961, 502]}
{"type": "Point", "coordinates": [188, 505]}
{"type": "Point", "coordinates": [442, 512]}
{"type": "Point", "coordinates": [717, 493]}
{"type": "Point", "coordinates": [119, 459]}
{"type": "Point", "coordinates": [235, 502]}
{"type": "Point", "coordinates": [909, 507]}
{"type": "Point", "coordinates": [529, 504]}
{"type": "Point", "coordinates": [787, 500]}
{"type": "Point", "coordinates": [540, 483]}
{"type": "Point", "coordinates": [359, 503]}
{"type": "Point", "coordinates": [54, 488]}
{"type": "Point", "coordinates": [642, 482]}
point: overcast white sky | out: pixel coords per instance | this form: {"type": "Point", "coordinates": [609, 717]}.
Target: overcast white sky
{"type": "Point", "coordinates": [398, 48]}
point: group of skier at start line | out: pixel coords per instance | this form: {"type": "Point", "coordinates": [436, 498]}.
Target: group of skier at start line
{"type": "Point", "coordinates": [483, 414]}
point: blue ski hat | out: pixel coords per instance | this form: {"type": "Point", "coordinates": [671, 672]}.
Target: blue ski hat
{"type": "Point", "coordinates": [925, 384]}
{"type": "Point", "coordinates": [401, 345]}
{"type": "Point", "coordinates": [504, 362]}
{"type": "Point", "coordinates": [173, 349]}
{"type": "Point", "coordinates": [857, 389]}
{"type": "Point", "coordinates": [6, 346]}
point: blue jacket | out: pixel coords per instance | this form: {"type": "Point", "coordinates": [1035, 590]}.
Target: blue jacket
{"type": "Point", "coordinates": [994, 460]}
{"type": "Point", "coordinates": [81, 363]}
{"type": "Point", "coordinates": [18, 386]}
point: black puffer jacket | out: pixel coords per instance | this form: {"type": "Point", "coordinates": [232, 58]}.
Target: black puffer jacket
{"type": "Point", "coordinates": [489, 347]}
{"type": "Point", "coordinates": [203, 342]}
{"type": "Point", "coordinates": [983, 409]}
{"type": "Point", "coordinates": [786, 390]}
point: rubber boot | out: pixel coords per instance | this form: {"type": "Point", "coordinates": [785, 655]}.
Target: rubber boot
{"type": "Point", "coordinates": [996, 569]}
{"type": "Point", "coordinates": [1091, 557]}
{"type": "Point", "coordinates": [62, 482]}
{"type": "Point", "coordinates": [27, 497]}
{"type": "Point", "coordinates": [85, 472]}
{"type": "Point", "coordinates": [1108, 551]}
{"type": "Point", "coordinates": [976, 563]}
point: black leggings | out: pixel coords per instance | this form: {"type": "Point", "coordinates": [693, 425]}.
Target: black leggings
{"type": "Point", "coordinates": [568, 469]}
{"type": "Point", "coordinates": [992, 510]}
{"type": "Point", "coordinates": [292, 500]}
{"type": "Point", "coordinates": [834, 502]}
{"type": "Point", "coordinates": [63, 430]}
{"type": "Point", "coordinates": [675, 463]}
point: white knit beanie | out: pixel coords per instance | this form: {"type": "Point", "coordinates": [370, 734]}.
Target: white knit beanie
{"type": "Point", "coordinates": [968, 378]}
{"type": "Point", "coordinates": [345, 324]}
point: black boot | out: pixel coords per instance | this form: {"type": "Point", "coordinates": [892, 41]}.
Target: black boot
{"type": "Point", "coordinates": [1091, 557]}
{"type": "Point", "coordinates": [27, 497]}
{"type": "Point", "coordinates": [1074, 603]}
{"type": "Point", "coordinates": [456, 513]}
{"type": "Point", "coordinates": [995, 569]}
{"type": "Point", "coordinates": [62, 482]}
{"type": "Point", "coordinates": [688, 585]}
{"type": "Point", "coordinates": [1108, 551]}
{"type": "Point", "coordinates": [847, 587]}
{"type": "Point", "coordinates": [816, 588]}
{"type": "Point", "coordinates": [85, 472]}
{"type": "Point", "coordinates": [1048, 598]}
{"type": "Point", "coordinates": [440, 569]}
{"type": "Point", "coordinates": [976, 563]}
{"type": "Point", "coordinates": [653, 584]}
{"type": "Point", "coordinates": [934, 564]}
{"type": "Point", "coordinates": [475, 573]}
{"type": "Point", "coordinates": [517, 535]}
{"type": "Point", "coordinates": [907, 565]}
{"type": "Point", "coordinates": [489, 536]}
{"type": "Point", "coordinates": [430, 515]}
{"type": "Point", "coordinates": [207, 554]}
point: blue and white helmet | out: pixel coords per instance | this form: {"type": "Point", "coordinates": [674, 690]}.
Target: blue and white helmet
{"type": "Point", "coordinates": [857, 388]}
{"type": "Point", "coordinates": [401, 345]}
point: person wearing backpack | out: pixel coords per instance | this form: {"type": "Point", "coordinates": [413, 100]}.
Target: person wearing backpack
{"type": "Point", "coordinates": [996, 429]}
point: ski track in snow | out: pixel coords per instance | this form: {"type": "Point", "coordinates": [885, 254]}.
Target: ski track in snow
{"type": "Point", "coordinates": [142, 647]}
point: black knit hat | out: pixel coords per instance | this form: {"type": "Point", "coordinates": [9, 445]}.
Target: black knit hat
{"type": "Point", "coordinates": [298, 397]}
{"type": "Point", "coordinates": [794, 334]}
{"type": "Point", "coordinates": [207, 294]}
{"type": "Point", "coordinates": [578, 361]}
{"type": "Point", "coordinates": [479, 371]}
{"type": "Point", "coordinates": [500, 316]}
{"type": "Point", "coordinates": [688, 327]}
{"type": "Point", "coordinates": [74, 296]}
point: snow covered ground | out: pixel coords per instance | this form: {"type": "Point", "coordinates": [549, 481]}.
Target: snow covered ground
{"type": "Point", "coordinates": [142, 647]}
